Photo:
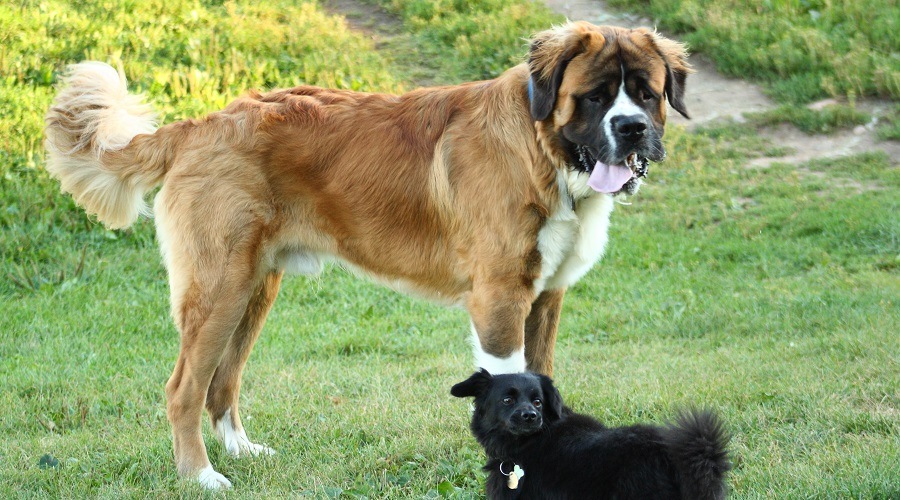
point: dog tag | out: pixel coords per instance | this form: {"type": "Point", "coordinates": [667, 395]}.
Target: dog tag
{"type": "Point", "coordinates": [513, 481]}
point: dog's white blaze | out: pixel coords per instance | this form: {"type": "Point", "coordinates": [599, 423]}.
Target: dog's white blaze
{"type": "Point", "coordinates": [236, 442]}
{"type": "Point", "coordinates": [515, 363]}
{"type": "Point", "coordinates": [607, 129]}
{"type": "Point", "coordinates": [212, 480]}
{"type": "Point", "coordinates": [622, 106]}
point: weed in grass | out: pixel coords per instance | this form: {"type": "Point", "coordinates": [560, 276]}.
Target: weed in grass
{"type": "Point", "coordinates": [826, 120]}
{"type": "Point", "coordinates": [735, 140]}
{"type": "Point", "coordinates": [873, 168]}
{"type": "Point", "coordinates": [889, 126]}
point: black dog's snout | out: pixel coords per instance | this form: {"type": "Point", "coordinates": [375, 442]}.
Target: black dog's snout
{"type": "Point", "coordinates": [525, 420]}
{"type": "Point", "coordinates": [630, 127]}
{"type": "Point", "coordinates": [528, 415]}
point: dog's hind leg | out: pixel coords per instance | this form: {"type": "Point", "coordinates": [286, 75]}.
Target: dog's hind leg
{"type": "Point", "coordinates": [223, 394]}
{"type": "Point", "coordinates": [540, 331]}
{"type": "Point", "coordinates": [208, 314]}
{"type": "Point", "coordinates": [213, 275]}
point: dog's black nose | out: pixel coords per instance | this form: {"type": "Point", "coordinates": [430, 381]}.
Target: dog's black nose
{"type": "Point", "coordinates": [630, 127]}
{"type": "Point", "coordinates": [528, 415]}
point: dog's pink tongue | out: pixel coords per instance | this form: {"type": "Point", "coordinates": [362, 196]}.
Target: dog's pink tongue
{"type": "Point", "coordinates": [608, 178]}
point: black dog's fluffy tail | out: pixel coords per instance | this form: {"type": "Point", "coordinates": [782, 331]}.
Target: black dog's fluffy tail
{"type": "Point", "coordinates": [696, 441]}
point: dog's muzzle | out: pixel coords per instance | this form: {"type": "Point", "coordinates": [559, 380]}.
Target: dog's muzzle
{"type": "Point", "coordinates": [525, 421]}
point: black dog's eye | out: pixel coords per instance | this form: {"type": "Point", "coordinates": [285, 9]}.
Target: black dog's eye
{"type": "Point", "coordinates": [507, 401]}
{"type": "Point", "coordinates": [537, 403]}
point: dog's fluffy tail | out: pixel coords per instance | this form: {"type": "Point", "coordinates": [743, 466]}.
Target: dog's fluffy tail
{"type": "Point", "coordinates": [697, 443]}
{"type": "Point", "coordinates": [101, 144]}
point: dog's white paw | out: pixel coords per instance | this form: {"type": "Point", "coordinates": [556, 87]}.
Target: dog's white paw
{"type": "Point", "coordinates": [236, 442]}
{"type": "Point", "coordinates": [242, 447]}
{"type": "Point", "coordinates": [212, 480]}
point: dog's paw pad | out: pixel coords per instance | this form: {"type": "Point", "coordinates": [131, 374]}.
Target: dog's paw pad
{"type": "Point", "coordinates": [212, 480]}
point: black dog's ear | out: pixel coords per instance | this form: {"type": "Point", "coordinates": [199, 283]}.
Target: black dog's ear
{"type": "Point", "coordinates": [553, 403]}
{"type": "Point", "coordinates": [473, 386]}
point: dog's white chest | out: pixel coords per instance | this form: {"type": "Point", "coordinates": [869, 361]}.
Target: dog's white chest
{"type": "Point", "coordinates": [572, 240]}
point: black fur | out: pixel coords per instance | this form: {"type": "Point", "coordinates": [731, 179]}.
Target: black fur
{"type": "Point", "coordinates": [569, 456]}
{"type": "Point", "coordinates": [675, 90]}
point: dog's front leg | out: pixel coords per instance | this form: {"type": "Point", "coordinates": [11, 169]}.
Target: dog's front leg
{"type": "Point", "coordinates": [498, 313]}
{"type": "Point", "coordinates": [540, 331]}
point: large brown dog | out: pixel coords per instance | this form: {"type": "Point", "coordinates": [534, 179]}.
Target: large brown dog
{"type": "Point", "coordinates": [493, 195]}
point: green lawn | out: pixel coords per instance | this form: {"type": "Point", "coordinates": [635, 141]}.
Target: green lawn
{"type": "Point", "coordinates": [768, 294]}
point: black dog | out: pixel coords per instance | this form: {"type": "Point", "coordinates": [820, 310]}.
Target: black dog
{"type": "Point", "coordinates": [537, 448]}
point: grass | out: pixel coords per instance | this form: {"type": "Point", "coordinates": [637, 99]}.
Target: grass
{"type": "Point", "coordinates": [768, 294]}
{"type": "Point", "coordinates": [824, 121]}
{"type": "Point", "coordinates": [889, 128]}
{"type": "Point", "coordinates": [802, 50]}
{"type": "Point", "coordinates": [482, 38]}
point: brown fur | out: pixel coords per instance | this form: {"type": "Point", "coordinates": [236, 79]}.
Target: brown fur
{"type": "Point", "coordinates": [441, 191]}
{"type": "Point", "coordinates": [540, 330]}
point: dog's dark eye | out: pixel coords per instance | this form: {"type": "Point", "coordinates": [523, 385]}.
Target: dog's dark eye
{"type": "Point", "coordinates": [507, 401]}
{"type": "Point", "coordinates": [537, 403]}
{"type": "Point", "coordinates": [596, 99]}
{"type": "Point", "coordinates": [646, 94]}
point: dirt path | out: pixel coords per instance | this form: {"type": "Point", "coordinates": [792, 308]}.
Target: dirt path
{"type": "Point", "coordinates": [365, 17]}
{"type": "Point", "coordinates": [711, 96]}
{"type": "Point", "coordinates": [386, 31]}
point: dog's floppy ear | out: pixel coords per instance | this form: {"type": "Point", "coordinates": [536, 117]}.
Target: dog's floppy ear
{"type": "Point", "coordinates": [553, 403]}
{"type": "Point", "coordinates": [677, 69]}
{"type": "Point", "coordinates": [548, 57]}
{"type": "Point", "coordinates": [473, 386]}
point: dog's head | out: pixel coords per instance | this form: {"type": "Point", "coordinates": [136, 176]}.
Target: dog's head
{"type": "Point", "coordinates": [598, 95]}
{"type": "Point", "coordinates": [519, 404]}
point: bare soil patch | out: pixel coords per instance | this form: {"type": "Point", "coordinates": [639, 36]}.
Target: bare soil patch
{"type": "Point", "coordinates": [386, 32]}
{"type": "Point", "coordinates": [365, 18]}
